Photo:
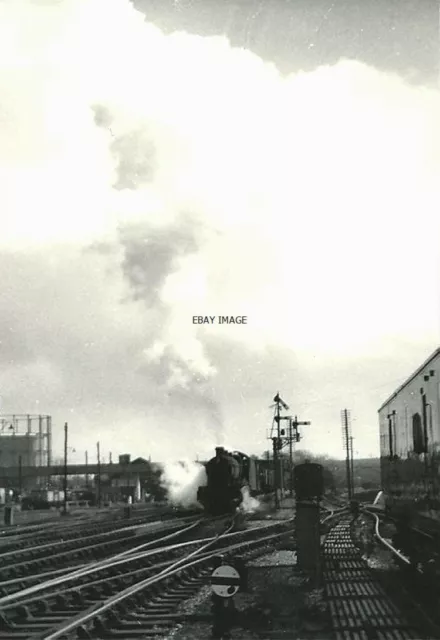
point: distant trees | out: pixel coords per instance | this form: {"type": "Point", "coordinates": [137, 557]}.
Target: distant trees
{"type": "Point", "coordinates": [366, 470]}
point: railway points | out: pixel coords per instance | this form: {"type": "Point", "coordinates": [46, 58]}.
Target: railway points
{"type": "Point", "coordinates": [97, 592]}
{"type": "Point", "coordinates": [137, 571]}
{"type": "Point", "coordinates": [85, 552]}
{"type": "Point", "coordinates": [162, 586]}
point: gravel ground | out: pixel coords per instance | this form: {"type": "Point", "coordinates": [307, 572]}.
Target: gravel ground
{"type": "Point", "coordinates": [411, 592]}
{"type": "Point", "coordinates": [279, 603]}
{"type": "Point", "coordinates": [277, 558]}
{"type": "Point", "coordinates": [376, 556]}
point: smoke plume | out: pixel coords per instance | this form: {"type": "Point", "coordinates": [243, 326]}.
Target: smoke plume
{"type": "Point", "coordinates": [208, 183]}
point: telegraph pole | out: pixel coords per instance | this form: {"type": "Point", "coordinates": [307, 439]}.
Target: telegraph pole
{"type": "Point", "coordinates": [352, 464]}
{"type": "Point", "coordinates": [87, 470]}
{"type": "Point", "coordinates": [20, 475]}
{"type": "Point", "coordinates": [346, 435]}
{"type": "Point", "coordinates": [65, 469]}
{"type": "Point", "coordinates": [99, 475]}
{"type": "Point", "coordinates": [291, 456]}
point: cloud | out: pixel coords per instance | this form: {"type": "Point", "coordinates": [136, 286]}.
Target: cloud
{"type": "Point", "coordinates": [155, 177]}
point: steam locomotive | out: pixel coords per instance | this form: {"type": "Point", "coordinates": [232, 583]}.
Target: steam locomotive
{"type": "Point", "coordinates": [227, 474]}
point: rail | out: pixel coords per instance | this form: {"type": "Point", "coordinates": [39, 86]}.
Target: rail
{"type": "Point", "coordinates": [334, 513]}
{"type": "Point", "coordinates": [384, 542]}
{"type": "Point", "coordinates": [112, 563]}
{"type": "Point", "coordinates": [90, 568]}
{"type": "Point", "coordinates": [184, 564]}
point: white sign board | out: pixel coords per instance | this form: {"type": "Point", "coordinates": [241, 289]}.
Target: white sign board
{"type": "Point", "coordinates": [225, 581]}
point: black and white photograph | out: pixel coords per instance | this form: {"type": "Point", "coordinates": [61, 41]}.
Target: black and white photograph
{"type": "Point", "coordinates": [219, 319]}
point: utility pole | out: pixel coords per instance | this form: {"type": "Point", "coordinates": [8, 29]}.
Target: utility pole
{"type": "Point", "coordinates": [352, 464]}
{"type": "Point", "coordinates": [20, 475]}
{"type": "Point", "coordinates": [65, 469]}
{"type": "Point", "coordinates": [291, 456]}
{"type": "Point", "coordinates": [346, 434]}
{"type": "Point", "coordinates": [99, 475]}
{"type": "Point", "coordinates": [87, 470]}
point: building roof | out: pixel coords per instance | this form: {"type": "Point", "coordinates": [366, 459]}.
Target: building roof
{"type": "Point", "coordinates": [412, 376]}
{"type": "Point", "coordinates": [139, 461]}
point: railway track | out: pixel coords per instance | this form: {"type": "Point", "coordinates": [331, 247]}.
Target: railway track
{"type": "Point", "coordinates": [359, 606]}
{"type": "Point", "coordinates": [419, 578]}
{"type": "Point", "coordinates": [32, 535]}
{"type": "Point", "coordinates": [128, 597]}
{"type": "Point", "coordinates": [49, 560]}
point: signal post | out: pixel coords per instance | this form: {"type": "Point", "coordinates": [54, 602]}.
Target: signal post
{"type": "Point", "coordinates": [280, 441]}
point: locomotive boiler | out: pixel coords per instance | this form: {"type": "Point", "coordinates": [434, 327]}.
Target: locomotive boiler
{"type": "Point", "coordinates": [227, 473]}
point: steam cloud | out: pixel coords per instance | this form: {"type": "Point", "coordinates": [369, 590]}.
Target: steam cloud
{"type": "Point", "coordinates": [181, 481]}
{"type": "Point", "coordinates": [249, 504]}
{"type": "Point", "coordinates": [206, 183]}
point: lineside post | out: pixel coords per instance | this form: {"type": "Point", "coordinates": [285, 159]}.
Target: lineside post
{"type": "Point", "coordinates": [309, 490]}
{"type": "Point", "coordinates": [291, 457]}
{"type": "Point", "coordinates": [276, 472]}
{"type": "Point", "coordinates": [87, 470]}
{"type": "Point", "coordinates": [346, 434]}
{"type": "Point", "coordinates": [99, 475]}
{"type": "Point", "coordinates": [20, 476]}
{"type": "Point", "coordinates": [308, 537]}
{"type": "Point", "coordinates": [65, 470]}
{"type": "Point", "coordinates": [225, 583]}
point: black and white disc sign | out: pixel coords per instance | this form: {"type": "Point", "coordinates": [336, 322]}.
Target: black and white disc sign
{"type": "Point", "coordinates": [225, 581]}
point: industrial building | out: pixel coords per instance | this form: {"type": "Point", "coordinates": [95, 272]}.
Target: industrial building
{"type": "Point", "coordinates": [410, 435]}
{"type": "Point", "coordinates": [25, 439]}
{"type": "Point", "coordinates": [123, 484]}
{"type": "Point", "coordinates": [410, 418]}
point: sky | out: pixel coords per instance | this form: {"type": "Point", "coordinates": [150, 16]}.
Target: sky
{"type": "Point", "coordinates": [171, 160]}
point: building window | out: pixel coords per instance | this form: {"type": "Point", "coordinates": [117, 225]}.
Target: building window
{"type": "Point", "coordinates": [418, 439]}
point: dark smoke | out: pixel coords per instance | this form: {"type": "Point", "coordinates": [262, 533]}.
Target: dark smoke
{"type": "Point", "coordinates": [150, 254]}
{"type": "Point", "coordinates": [149, 257]}
{"type": "Point", "coordinates": [136, 157]}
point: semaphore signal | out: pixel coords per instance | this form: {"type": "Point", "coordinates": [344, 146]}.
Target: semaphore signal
{"type": "Point", "coordinates": [280, 440]}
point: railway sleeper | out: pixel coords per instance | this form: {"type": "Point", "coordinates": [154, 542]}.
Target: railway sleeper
{"type": "Point", "coordinates": [152, 600]}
